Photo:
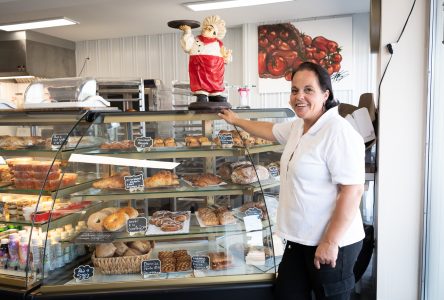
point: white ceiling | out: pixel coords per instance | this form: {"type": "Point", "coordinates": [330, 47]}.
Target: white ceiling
{"type": "Point", "coordinates": [100, 19]}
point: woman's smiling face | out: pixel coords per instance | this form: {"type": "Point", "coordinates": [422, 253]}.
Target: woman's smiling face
{"type": "Point", "coordinates": [307, 99]}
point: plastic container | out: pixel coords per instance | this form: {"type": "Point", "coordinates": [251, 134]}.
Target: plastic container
{"type": "Point", "coordinates": [12, 161]}
{"type": "Point", "coordinates": [23, 252]}
{"type": "Point", "coordinates": [40, 216]}
{"type": "Point", "coordinates": [48, 185]}
{"type": "Point", "coordinates": [21, 166]}
{"type": "Point", "coordinates": [51, 175]}
{"type": "Point", "coordinates": [27, 184]}
{"type": "Point", "coordinates": [13, 248]}
{"type": "Point", "coordinates": [69, 179]}
{"type": "Point", "coordinates": [4, 253]}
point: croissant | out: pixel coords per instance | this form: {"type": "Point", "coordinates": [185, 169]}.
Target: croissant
{"type": "Point", "coordinates": [161, 178]}
{"type": "Point", "coordinates": [113, 182]}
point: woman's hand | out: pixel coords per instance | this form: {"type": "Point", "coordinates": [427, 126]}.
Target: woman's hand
{"type": "Point", "coordinates": [326, 254]}
{"type": "Point", "coordinates": [229, 116]}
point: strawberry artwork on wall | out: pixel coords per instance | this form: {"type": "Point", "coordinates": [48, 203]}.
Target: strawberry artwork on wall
{"type": "Point", "coordinates": [282, 48]}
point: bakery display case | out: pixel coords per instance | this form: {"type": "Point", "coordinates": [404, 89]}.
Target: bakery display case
{"type": "Point", "coordinates": [98, 209]}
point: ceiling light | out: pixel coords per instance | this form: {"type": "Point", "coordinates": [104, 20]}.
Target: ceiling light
{"type": "Point", "coordinates": [16, 77]}
{"type": "Point", "coordinates": [212, 5]}
{"type": "Point", "coordinates": [34, 24]}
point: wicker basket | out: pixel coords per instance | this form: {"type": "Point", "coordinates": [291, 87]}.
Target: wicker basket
{"type": "Point", "coordinates": [119, 265]}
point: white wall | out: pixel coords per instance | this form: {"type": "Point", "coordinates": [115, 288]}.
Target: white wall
{"type": "Point", "coordinates": [160, 57]}
{"type": "Point", "coordinates": [401, 151]}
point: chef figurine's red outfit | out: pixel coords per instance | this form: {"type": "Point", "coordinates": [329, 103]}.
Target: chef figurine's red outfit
{"type": "Point", "coordinates": [208, 57]}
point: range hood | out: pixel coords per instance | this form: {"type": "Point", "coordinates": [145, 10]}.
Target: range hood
{"type": "Point", "coordinates": [29, 53]}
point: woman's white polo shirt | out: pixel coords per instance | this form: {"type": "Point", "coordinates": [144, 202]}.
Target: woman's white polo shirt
{"type": "Point", "coordinates": [312, 165]}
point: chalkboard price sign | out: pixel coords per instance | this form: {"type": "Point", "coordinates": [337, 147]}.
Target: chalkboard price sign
{"type": "Point", "coordinates": [200, 262]}
{"type": "Point", "coordinates": [134, 182]}
{"type": "Point", "coordinates": [58, 139]}
{"type": "Point", "coordinates": [253, 211]}
{"type": "Point", "coordinates": [226, 138]}
{"type": "Point", "coordinates": [91, 237]}
{"type": "Point", "coordinates": [83, 272]}
{"type": "Point", "coordinates": [151, 266]}
{"type": "Point", "coordinates": [2, 208]}
{"type": "Point", "coordinates": [141, 143]}
{"type": "Point", "coordinates": [274, 171]}
{"type": "Point", "coordinates": [136, 224]}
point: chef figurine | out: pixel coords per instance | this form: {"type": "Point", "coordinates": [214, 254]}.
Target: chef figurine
{"type": "Point", "coordinates": [208, 57]}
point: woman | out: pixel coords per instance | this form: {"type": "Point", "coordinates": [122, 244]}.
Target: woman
{"type": "Point", "coordinates": [322, 176]}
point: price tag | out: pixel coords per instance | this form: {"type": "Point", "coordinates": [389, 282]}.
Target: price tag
{"type": "Point", "coordinates": [83, 272]}
{"type": "Point", "coordinates": [136, 225]}
{"type": "Point", "coordinates": [143, 143]}
{"type": "Point", "coordinates": [226, 138]}
{"type": "Point", "coordinates": [134, 183]}
{"type": "Point", "coordinates": [57, 140]}
{"type": "Point", "coordinates": [274, 170]}
{"type": "Point", "coordinates": [200, 262]}
{"type": "Point", "coordinates": [252, 223]}
{"type": "Point", "coordinates": [254, 211]}
{"type": "Point", "coordinates": [90, 237]}
{"type": "Point", "coordinates": [151, 266]}
{"type": "Point", "coordinates": [2, 208]}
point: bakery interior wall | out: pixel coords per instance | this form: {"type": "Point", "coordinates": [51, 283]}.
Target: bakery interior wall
{"type": "Point", "coordinates": [161, 57]}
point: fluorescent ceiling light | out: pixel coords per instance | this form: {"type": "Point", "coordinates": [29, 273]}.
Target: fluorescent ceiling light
{"type": "Point", "coordinates": [16, 77]}
{"type": "Point", "coordinates": [34, 24]}
{"type": "Point", "coordinates": [109, 160]}
{"type": "Point", "coordinates": [212, 5]}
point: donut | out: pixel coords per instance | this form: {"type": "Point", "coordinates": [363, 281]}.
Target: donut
{"type": "Point", "coordinates": [131, 212]}
{"type": "Point", "coordinates": [121, 247]}
{"type": "Point", "coordinates": [141, 246]}
{"type": "Point", "coordinates": [95, 221]}
{"type": "Point", "coordinates": [105, 250]}
{"type": "Point", "coordinates": [115, 221]}
{"type": "Point", "coordinates": [109, 210]}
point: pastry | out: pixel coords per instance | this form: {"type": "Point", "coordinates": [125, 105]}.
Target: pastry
{"type": "Point", "coordinates": [121, 248]}
{"type": "Point", "coordinates": [95, 221]}
{"type": "Point", "coordinates": [219, 260]}
{"type": "Point", "coordinates": [227, 168]}
{"type": "Point", "coordinates": [165, 254]}
{"type": "Point", "coordinates": [171, 226]}
{"type": "Point", "coordinates": [161, 178]}
{"type": "Point", "coordinates": [168, 260]}
{"type": "Point", "coordinates": [180, 252]}
{"type": "Point", "coordinates": [247, 174]}
{"type": "Point", "coordinates": [203, 180]}
{"type": "Point", "coordinates": [165, 268]}
{"type": "Point", "coordinates": [125, 144]}
{"type": "Point", "coordinates": [158, 142]}
{"type": "Point", "coordinates": [183, 266]}
{"type": "Point", "coordinates": [131, 212]}
{"type": "Point", "coordinates": [141, 246]}
{"type": "Point", "coordinates": [112, 182]}
{"type": "Point", "coordinates": [132, 252]}
{"type": "Point", "coordinates": [105, 250]}
{"type": "Point", "coordinates": [226, 218]}
{"type": "Point", "coordinates": [115, 221]}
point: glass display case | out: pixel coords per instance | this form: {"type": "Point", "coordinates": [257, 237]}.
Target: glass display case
{"type": "Point", "coordinates": [88, 207]}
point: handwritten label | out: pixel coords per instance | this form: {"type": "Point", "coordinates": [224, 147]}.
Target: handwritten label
{"type": "Point", "coordinates": [151, 266]}
{"type": "Point", "coordinates": [83, 272]}
{"type": "Point", "coordinates": [58, 139]}
{"type": "Point", "coordinates": [136, 224]}
{"type": "Point", "coordinates": [134, 182]}
{"type": "Point", "coordinates": [254, 211]}
{"type": "Point", "coordinates": [141, 143]}
{"type": "Point", "coordinates": [90, 237]}
{"type": "Point", "coordinates": [200, 262]}
{"type": "Point", "coordinates": [226, 138]}
{"type": "Point", "coordinates": [274, 170]}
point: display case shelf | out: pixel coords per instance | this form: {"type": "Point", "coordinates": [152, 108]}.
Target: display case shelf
{"type": "Point", "coordinates": [184, 190]}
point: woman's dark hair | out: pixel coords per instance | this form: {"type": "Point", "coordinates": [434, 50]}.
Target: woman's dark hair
{"type": "Point", "coordinates": [324, 81]}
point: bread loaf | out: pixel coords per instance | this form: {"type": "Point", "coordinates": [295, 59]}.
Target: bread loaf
{"type": "Point", "coordinates": [247, 174]}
